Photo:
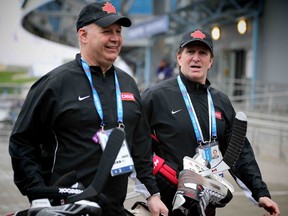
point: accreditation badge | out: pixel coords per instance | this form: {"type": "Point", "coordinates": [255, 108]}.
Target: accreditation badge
{"type": "Point", "coordinates": [123, 163]}
{"type": "Point", "coordinates": [211, 153]}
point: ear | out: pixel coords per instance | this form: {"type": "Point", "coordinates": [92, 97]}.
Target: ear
{"type": "Point", "coordinates": [82, 34]}
{"type": "Point", "coordinates": [178, 57]}
{"type": "Point", "coordinates": [211, 63]}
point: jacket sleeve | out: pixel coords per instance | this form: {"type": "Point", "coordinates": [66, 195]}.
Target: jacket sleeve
{"type": "Point", "coordinates": [142, 153]}
{"type": "Point", "coordinates": [30, 135]}
{"type": "Point", "coordinates": [247, 170]}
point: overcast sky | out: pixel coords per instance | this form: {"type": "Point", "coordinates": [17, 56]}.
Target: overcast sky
{"type": "Point", "coordinates": [19, 47]}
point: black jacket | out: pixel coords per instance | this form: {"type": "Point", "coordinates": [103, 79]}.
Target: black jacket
{"type": "Point", "coordinates": [169, 119]}
{"type": "Point", "coordinates": [54, 118]}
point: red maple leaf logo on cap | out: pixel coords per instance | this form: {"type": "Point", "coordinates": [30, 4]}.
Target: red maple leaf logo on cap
{"type": "Point", "coordinates": [109, 8]}
{"type": "Point", "coordinates": [198, 34]}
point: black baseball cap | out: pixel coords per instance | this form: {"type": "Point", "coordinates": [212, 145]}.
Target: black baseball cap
{"type": "Point", "coordinates": [197, 35]}
{"type": "Point", "coordinates": [102, 14]}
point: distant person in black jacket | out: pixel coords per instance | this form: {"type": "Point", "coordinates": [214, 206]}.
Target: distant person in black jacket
{"type": "Point", "coordinates": [164, 70]}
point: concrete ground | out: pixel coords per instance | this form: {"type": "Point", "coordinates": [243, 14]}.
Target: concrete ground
{"type": "Point", "coordinates": [274, 171]}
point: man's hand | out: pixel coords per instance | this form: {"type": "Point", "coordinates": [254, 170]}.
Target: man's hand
{"type": "Point", "coordinates": [269, 205]}
{"type": "Point", "coordinates": [156, 206]}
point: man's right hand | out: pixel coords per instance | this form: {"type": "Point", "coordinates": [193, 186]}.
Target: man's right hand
{"type": "Point", "coordinates": [156, 206]}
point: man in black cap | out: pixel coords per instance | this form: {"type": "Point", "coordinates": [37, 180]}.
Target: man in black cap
{"type": "Point", "coordinates": [69, 110]}
{"type": "Point", "coordinates": [188, 116]}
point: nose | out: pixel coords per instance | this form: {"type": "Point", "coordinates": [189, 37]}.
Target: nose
{"type": "Point", "coordinates": [115, 36]}
{"type": "Point", "coordinates": [196, 57]}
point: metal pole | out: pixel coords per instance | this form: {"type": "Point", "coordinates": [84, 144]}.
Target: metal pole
{"type": "Point", "coordinates": [255, 40]}
{"type": "Point", "coordinates": [147, 66]}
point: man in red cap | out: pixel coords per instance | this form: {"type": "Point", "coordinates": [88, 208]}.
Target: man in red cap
{"type": "Point", "coordinates": [69, 109]}
{"type": "Point", "coordinates": [188, 116]}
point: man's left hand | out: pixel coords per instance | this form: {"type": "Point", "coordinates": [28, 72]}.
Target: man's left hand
{"type": "Point", "coordinates": [269, 205]}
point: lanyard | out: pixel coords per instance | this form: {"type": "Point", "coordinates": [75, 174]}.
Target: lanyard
{"type": "Point", "coordinates": [96, 98]}
{"type": "Point", "coordinates": [193, 117]}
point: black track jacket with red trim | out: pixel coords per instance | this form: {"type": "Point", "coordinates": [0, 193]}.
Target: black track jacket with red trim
{"type": "Point", "coordinates": [59, 114]}
{"type": "Point", "coordinates": [170, 121]}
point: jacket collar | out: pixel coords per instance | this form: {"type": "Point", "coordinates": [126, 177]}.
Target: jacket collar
{"type": "Point", "coordinates": [194, 86]}
{"type": "Point", "coordinates": [96, 69]}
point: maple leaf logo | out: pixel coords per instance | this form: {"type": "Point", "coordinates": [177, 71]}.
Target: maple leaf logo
{"type": "Point", "coordinates": [109, 8]}
{"type": "Point", "coordinates": [198, 34]}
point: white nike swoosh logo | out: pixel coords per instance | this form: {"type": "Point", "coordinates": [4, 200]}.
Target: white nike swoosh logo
{"type": "Point", "coordinates": [174, 112]}
{"type": "Point", "coordinates": [83, 98]}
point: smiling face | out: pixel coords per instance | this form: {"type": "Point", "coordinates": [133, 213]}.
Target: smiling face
{"type": "Point", "coordinates": [194, 60]}
{"type": "Point", "coordinates": [100, 46]}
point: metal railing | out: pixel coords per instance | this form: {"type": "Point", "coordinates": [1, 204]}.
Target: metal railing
{"type": "Point", "coordinates": [266, 106]}
{"type": "Point", "coordinates": [269, 98]}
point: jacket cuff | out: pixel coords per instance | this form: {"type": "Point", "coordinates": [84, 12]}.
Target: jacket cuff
{"type": "Point", "coordinates": [261, 194]}
{"type": "Point", "coordinates": [153, 189]}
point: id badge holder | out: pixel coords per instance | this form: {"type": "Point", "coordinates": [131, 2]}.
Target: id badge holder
{"type": "Point", "coordinates": [216, 155]}
{"type": "Point", "coordinates": [211, 153]}
{"type": "Point", "coordinates": [205, 152]}
{"type": "Point", "coordinates": [123, 163]}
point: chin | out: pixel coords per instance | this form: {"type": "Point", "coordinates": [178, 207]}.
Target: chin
{"type": "Point", "coordinates": [112, 57]}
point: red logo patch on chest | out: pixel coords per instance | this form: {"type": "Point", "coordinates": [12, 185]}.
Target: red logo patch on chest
{"type": "Point", "coordinates": [126, 96]}
{"type": "Point", "coordinates": [218, 115]}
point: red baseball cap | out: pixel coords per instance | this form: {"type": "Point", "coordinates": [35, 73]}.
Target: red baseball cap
{"type": "Point", "coordinates": [197, 35]}
{"type": "Point", "coordinates": [102, 14]}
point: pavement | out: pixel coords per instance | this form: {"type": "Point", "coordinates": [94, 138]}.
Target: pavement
{"type": "Point", "coordinates": [274, 173]}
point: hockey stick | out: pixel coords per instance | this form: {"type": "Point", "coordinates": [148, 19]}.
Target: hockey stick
{"type": "Point", "coordinates": [234, 148]}
{"type": "Point", "coordinates": [107, 160]}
